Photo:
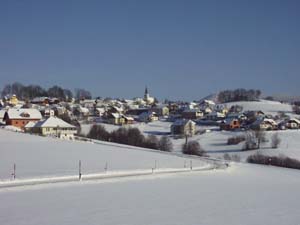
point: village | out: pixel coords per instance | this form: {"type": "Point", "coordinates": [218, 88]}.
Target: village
{"type": "Point", "coordinates": [54, 117]}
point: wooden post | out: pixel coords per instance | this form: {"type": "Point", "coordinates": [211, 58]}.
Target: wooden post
{"type": "Point", "coordinates": [14, 172]}
{"type": "Point", "coordinates": [106, 167]}
{"type": "Point", "coordinates": [79, 172]}
{"type": "Point", "coordinates": [191, 165]}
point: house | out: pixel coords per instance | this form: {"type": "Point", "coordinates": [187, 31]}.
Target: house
{"type": "Point", "coordinates": [264, 124]}
{"type": "Point", "coordinates": [13, 100]}
{"type": "Point", "coordinates": [183, 127]}
{"type": "Point", "coordinates": [100, 112]}
{"type": "Point", "coordinates": [253, 115]}
{"type": "Point", "coordinates": [215, 116]}
{"type": "Point", "coordinates": [52, 126]}
{"type": "Point", "coordinates": [148, 117]}
{"type": "Point", "coordinates": [192, 114]}
{"type": "Point", "coordinates": [115, 118]}
{"type": "Point", "coordinates": [230, 124]}
{"type": "Point", "coordinates": [128, 119]}
{"type": "Point", "coordinates": [293, 124]}
{"type": "Point", "coordinates": [160, 110]}
{"type": "Point", "coordinates": [20, 117]}
{"type": "Point", "coordinates": [44, 101]}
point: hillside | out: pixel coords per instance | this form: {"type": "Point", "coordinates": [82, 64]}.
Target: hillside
{"type": "Point", "coordinates": [37, 156]}
{"type": "Point", "coordinates": [268, 107]}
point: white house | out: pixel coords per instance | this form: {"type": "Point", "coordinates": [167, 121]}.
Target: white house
{"type": "Point", "coordinates": [52, 126]}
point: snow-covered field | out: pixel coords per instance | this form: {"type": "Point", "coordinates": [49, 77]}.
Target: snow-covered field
{"type": "Point", "coordinates": [36, 156]}
{"type": "Point", "coordinates": [214, 141]}
{"type": "Point", "coordinates": [268, 107]}
{"type": "Point", "coordinates": [242, 194]}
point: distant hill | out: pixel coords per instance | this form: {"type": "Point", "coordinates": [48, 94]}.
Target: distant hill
{"type": "Point", "coordinates": [212, 97]}
{"type": "Point", "coordinates": [286, 98]}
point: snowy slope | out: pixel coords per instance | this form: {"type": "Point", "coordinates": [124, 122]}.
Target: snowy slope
{"type": "Point", "coordinates": [41, 156]}
{"type": "Point", "coordinates": [268, 107]}
{"type": "Point", "coordinates": [244, 194]}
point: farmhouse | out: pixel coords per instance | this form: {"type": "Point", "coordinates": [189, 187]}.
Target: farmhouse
{"type": "Point", "coordinates": [20, 117]}
{"type": "Point", "coordinates": [293, 124]}
{"type": "Point", "coordinates": [148, 117]}
{"type": "Point", "coordinates": [183, 127]}
{"type": "Point", "coordinates": [192, 114]}
{"type": "Point", "coordinates": [264, 124]}
{"type": "Point", "coordinates": [52, 126]}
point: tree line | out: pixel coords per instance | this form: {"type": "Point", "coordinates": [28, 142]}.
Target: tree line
{"type": "Point", "coordinates": [31, 91]}
{"type": "Point", "coordinates": [130, 136]}
{"type": "Point", "coordinates": [238, 95]}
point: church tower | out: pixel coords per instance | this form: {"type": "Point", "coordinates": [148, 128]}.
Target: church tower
{"type": "Point", "coordinates": [146, 95]}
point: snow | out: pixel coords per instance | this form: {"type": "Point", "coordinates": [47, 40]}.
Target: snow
{"type": "Point", "coordinates": [268, 107]}
{"type": "Point", "coordinates": [244, 194]}
{"type": "Point", "coordinates": [156, 127]}
{"type": "Point", "coordinates": [214, 141]}
{"type": "Point", "coordinates": [18, 114]}
{"type": "Point", "coordinates": [53, 122]}
{"type": "Point", "coordinates": [36, 156]}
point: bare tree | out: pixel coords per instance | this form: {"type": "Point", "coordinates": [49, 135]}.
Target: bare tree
{"type": "Point", "coordinates": [275, 139]}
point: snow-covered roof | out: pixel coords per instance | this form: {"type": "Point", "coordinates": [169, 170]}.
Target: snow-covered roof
{"type": "Point", "coordinates": [116, 115]}
{"type": "Point", "coordinates": [31, 124]}
{"type": "Point", "coordinates": [24, 114]}
{"type": "Point", "coordinates": [261, 120]}
{"type": "Point", "coordinates": [192, 110]}
{"type": "Point", "coordinates": [2, 113]}
{"type": "Point", "coordinates": [53, 122]}
{"type": "Point", "coordinates": [295, 120]}
{"type": "Point", "coordinates": [84, 110]}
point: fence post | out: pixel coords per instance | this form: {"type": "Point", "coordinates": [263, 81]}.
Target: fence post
{"type": "Point", "coordinates": [79, 172]}
{"type": "Point", "coordinates": [191, 165]}
{"type": "Point", "coordinates": [14, 171]}
{"type": "Point", "coordinates": [106, 167]}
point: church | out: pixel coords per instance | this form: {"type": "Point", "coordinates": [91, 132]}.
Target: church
{"type": "Point", "coordinates": [149, 100]}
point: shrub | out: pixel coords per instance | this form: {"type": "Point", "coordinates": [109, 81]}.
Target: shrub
{"type": "Point", "coordinates": [165, 144]}
{"type": "Point", "coordinates": [98, 132]}
{"type": "Point", "coordinates": [193, 148]}
{"type": "Point", "coordinates": [281, 161]}
{"type": "Point", "coordinates": [151, 142]}
{"type": "Point", "coordinates": [235, 140]}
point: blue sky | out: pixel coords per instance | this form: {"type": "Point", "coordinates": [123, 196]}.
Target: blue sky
{"type": "Point", "coordinates": [179, 49]}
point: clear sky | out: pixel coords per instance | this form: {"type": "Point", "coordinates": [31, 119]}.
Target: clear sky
{"type": "Point", "coordinates": [180, 49]}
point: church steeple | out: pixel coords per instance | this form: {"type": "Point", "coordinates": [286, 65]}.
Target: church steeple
{"type": "Point", "coordinates": [146, 95]}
